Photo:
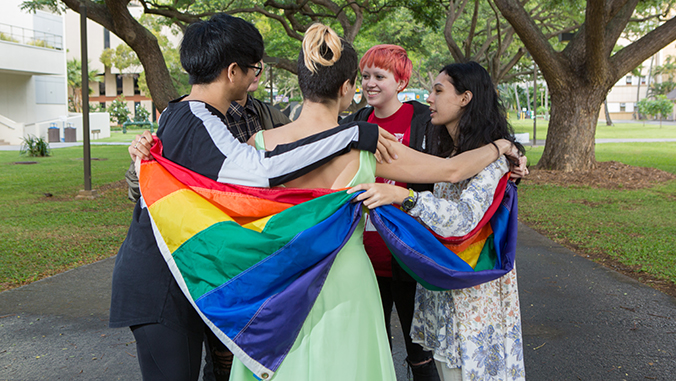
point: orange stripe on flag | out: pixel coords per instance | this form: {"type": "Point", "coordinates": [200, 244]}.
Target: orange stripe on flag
{"type": "Point", "coordinates": [154, 190]}
{"type": "Point", "coordinates": [480, 236]}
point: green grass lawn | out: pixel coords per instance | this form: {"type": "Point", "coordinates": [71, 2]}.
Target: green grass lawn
{"type": "Point", "coordinates": [635, 227]}
{"type": "Point", "coordinates": [42, 236]}
{"type": "Point", "coordinates": [620, 130]}
{"type": "Point", "coordinates": [119, 137]}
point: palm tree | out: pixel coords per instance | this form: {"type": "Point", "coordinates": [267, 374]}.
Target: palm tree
{"type": "Point", "coordinates": [74, 69]}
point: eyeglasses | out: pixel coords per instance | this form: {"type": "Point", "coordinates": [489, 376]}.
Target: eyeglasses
{"type": "Point", "coordinates": [258, 69]}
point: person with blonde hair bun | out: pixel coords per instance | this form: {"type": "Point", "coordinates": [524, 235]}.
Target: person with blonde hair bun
{"type": "Point", "coordinates": [344, 336]}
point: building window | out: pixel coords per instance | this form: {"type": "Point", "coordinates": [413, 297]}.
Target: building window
{"type": "Point", "coordinates": [102, 88]}
{"type": "Point", "coordinates": [642, 80]}
{"type": "Point", "coordinates": [137, 90]}
{"type": "Point", "coordinates": [623, 107]}
{"type": "Point", "coordinates": [629, 80]}
{"type": "Point", "coordinates": [102, 106]}
{"type": "Point", "coordinates": [119, 80]}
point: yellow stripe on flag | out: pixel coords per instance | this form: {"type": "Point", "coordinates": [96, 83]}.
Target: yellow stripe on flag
{"type": "Point", "coordinates": [178, 224]}
{"type": "Point", "coordinates": [471, 254]}
{"type": "Point", "coordinates": [258, 225]}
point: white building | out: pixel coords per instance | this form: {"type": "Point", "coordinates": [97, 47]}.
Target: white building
{"type": "Point", "coordinates": [33, 77]}
{"type": "Point", "coordinates": [627, 92]}
{"type": "Point", "coordinates": [32, 71]}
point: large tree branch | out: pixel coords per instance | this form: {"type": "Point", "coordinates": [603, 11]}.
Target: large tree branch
{"type": "Point", "coordinates": [498, 54]}
{"type": "Point", "coordinates": [172, 13]}
{"type": "Point", "coordinates": [95, 11]}
{"type": "Point", "coordinates": [290, 31]}
{"type": "Point", "coordinates": [617, 24]}
{"type": "Point", "coordinates": [472, 29]}
{"type": "Point", "coordinates": [594, 39]}
{"type": "Point", "coordinates": [509, 77]}
{"type": "Point", "coordinates": [282, 63]}
{"type": "Point", "coordinates": [502, 74]}
{"type": "Point", "coordinates": [451, 17]}
{"type": "Point", "coordinates": [564, 30]}
{"type": "Point", "coordinates": [633, 55]}
{"type": "Point", "coordinates": [535, 41]}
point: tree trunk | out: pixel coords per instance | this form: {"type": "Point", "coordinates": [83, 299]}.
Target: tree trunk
{"type": "Point", "coordinates": [518, 103]}
{"type": "Point", "coordinates": [609, 122]}
{"type": "Point", "coordinates": [570, 139]}
{"type": "Point", "coordinates": [638, 97]}
{"type": "Point", "coordinates": [527, 98]}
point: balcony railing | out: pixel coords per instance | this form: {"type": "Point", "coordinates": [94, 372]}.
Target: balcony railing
{"type": "Point", "coordinates": [31, 37]}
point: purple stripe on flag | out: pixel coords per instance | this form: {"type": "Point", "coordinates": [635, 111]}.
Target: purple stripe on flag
{"type": "Point", "coordinates": [424, 255]}
{"type": "Point", "coordinates": [271, 331]}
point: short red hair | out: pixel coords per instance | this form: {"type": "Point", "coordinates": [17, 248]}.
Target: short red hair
{"type": "Point", "coordinates": [389, 57]}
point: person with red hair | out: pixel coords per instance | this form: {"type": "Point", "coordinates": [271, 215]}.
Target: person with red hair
{"type": "Point", "coordinates": [386, 70]}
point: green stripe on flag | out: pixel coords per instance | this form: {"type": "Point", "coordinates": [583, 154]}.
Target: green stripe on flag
{"type": "Point", "coordinates": [224, 250]}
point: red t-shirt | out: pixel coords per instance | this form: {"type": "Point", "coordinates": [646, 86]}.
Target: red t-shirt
{"type": "Point", "coordinates": [398, 124]}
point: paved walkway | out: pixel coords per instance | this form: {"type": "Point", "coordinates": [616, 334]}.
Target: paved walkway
{"type": "Point", "coordinates": [581, 321]}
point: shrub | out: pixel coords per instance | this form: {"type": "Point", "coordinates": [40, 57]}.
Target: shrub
{"type": "Point", "coordinates": [141, 114]}
{"type": "Point", "coordinates": [7, 37]}
{"type": "Point", "coordinates": [34, 146]}
{"type": "Point", "coordinates": [40, 43]}
{"type": "Point", "coordinates": [118, 110]}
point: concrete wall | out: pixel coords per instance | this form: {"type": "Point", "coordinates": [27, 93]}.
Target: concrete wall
{"type": "Point", "coordinates": [11, 131]}
{"type": "Point", "coordinates": [97, 121]}
{"type": "Point", "coordinates": [31, 59]}
{"type": "Point", "coordinates": [18, 100]}
{"type": "Point", "coordinates": [33, 84]}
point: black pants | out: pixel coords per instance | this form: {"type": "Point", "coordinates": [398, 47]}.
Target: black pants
{"type": "Point", "coordinates": [165, 354]}
{"type": "Point", "coordinates": [401, 293]}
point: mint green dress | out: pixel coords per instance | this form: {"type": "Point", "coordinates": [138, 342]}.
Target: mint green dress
{"type": "Point", "coordinates": [344, 336]}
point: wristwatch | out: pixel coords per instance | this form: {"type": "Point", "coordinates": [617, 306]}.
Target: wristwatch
{"type": "Point", "coordinates": [409, 202]}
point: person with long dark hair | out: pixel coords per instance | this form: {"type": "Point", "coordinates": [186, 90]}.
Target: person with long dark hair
{"type": "Point", "coordinates": [475, 333]}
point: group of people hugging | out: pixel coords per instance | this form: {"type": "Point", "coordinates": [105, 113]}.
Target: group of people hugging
{"type": "Point", "coordinates": [439, 163]}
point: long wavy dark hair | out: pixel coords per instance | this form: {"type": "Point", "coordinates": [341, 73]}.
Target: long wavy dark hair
{"type": "Point", "coordinates": [483, 120]}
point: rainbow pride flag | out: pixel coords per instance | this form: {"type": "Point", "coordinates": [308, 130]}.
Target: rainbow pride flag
{"type": "Point", "coordinates": [252, 261]}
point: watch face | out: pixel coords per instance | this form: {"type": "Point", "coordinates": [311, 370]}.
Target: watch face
{"type": "Point", "coordinates": [407, 204]}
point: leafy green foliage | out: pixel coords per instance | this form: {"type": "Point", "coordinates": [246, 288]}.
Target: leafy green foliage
{"type": "Point", "coordinates": [7, 37]}
{"type": "Point", "coordinates": [122, 58]}
{"type": "Point", "coordinates": [96, 107]}
{"type": "Point", "coordinates": [34, 146]}
{"type": "Point", "coordinates": [74, 74]}
{"type": "Point", "coordinates": [658, 107]}
{"type": "Point", "coordinates": [141, 114]}
{"type": "Point", "coordinates": [648, 15]}
{"type": "Point", "coordinates": [118, 110]}
{"type": "Point", "coordinates": [661, 89]}
{"type": "Point", "coordinates": [668, 71]}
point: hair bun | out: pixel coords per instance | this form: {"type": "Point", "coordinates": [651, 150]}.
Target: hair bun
{"type": "Point", "coordinates": [321, 45]}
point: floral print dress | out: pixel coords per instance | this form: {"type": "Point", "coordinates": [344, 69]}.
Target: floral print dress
{"type": "Point", "coordinates": [477, 329]}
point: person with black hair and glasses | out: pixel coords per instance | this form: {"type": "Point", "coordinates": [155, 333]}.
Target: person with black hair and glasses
{"type": "Point", "coordinates": [196, 134]}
